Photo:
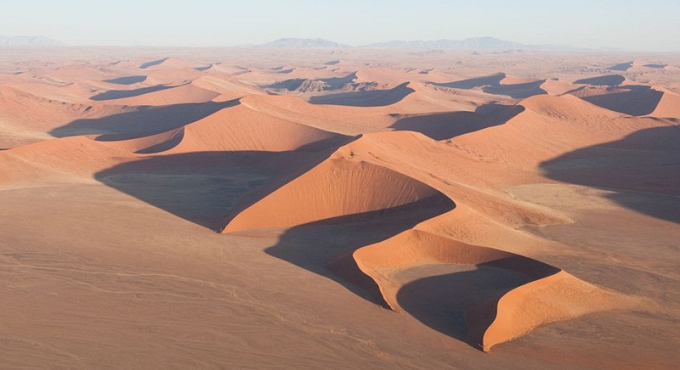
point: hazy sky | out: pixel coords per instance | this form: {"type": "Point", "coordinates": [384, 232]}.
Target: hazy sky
{"type": "Point", "coordinates": [638, 25]}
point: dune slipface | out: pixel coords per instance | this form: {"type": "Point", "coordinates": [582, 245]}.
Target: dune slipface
{"type": "Point", "coordinates": [550, 294]}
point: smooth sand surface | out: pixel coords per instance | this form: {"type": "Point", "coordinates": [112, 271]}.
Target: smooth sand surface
{"type": "Point", "coordinates": [259, 209]}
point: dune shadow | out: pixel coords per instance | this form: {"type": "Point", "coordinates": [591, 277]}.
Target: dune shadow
{"type": "Point", "coordinates": [203, 187]}
{"type": "Point", "coordinates": [325, 247]}
{"type": "Point", "coordinates": [127, 80]}
{"type": "Point", "coordinates": [442, 301]}
{"type": "Point", "coordinates": [152, 63]}
{"type": "Point", "coordinates": [442, 126]}
{"type": "Point", "coordinates": [492, 85]}
{"type": "Point", "coordinates": [142, 121]}
{"type": "Point", "coordinates": [370, 98]}
{"type": "Point", "coordinates": [472, 83]}
{"type": "Point", "coordinates": [120, 94]}
{"type": "Point", "coordinates": [642, 170]}
{"type": "Point", "coordinates": [622, 66]}
{"type": "Point", "coordinates": [517, 91]}
{"type": "Point", "coordinates": [204, 68]}
{"type": "Point", "coordinates": [656, 66]}
{"type": "Point", "coordinates": [631, 100]}
{"type": "Point", "coordinates": [609, 80]}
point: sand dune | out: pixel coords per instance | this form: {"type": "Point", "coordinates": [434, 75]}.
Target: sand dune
{"type": "Point", "coordinates": [57, 159]}
{"type": "Point", "coordinates": [501, 315]}
{"type": "Point", "coordinates": [668, 106]}
{"type": "Point", "coordinates": [347, 188]}
{"type": "Point", "coordinates": [338, 208]}
{"type": "Point", "coordinates": [242, 129]}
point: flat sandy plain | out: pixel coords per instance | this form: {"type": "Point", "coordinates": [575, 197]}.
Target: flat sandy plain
{"type": "Point", "coordinates": [349, 209]}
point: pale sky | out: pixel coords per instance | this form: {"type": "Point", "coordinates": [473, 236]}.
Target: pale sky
{"type": "Point", "coordinates": [634, 25]}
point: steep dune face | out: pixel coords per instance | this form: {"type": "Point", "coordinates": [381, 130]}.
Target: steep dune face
{"type": "Point", "coordinates": [501, 315]}
{"type": "Point", "coordinates": [336, 187]}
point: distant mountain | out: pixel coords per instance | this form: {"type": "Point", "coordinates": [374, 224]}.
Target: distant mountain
{"type": "Point", "coordinates": [294, 43]}
{"type": "Point", "coordinates": [477, 43]}
{"type": "Point", "coordinates": [28, 41]}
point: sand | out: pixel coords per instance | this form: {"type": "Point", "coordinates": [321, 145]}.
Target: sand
{"type": "Point", "coordinates": [252, 208]}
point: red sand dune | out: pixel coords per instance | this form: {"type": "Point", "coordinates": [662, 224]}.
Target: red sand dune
{"type": "Point", "coordinates": [336, 187]}
{"type": "Point", "coordinates": [338, 179]}
{"type": "Point", "coordinates": [551, 295]}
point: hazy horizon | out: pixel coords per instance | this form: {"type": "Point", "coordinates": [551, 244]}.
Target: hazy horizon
{"type": "Point", "coordinates": [626, 25]}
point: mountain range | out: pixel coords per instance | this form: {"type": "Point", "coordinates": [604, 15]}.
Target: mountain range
{"type": "Point", "coordinates": [28, 41]}
{"type": "Point", "coordinates": [477, 43]}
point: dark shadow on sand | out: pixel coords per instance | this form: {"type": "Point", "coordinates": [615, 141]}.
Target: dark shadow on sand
{"type": "Point", "coordinates": [372, 98]}
{"type": "Point", "coordinates": [642, 170]}
{"type": "Point", "coordinates": [610, 80]}
{"type": "Point", "coordinates": [142, 121]}
{"type": "Point", "coordinates": [492, 85]}
{"type": "Point", "coordinates": [128, 80]}
{"type": "Point", "coordinates": [326, 247]}
{"type": "Point", "coordinates": [631, 100]}
{"type": "Point", "coordinates": [203, 187]}
{"type": "Point", "coordinates": [120, 94]}
{"type": "Point", "coordinates": [441, 302]}
{"type": "Point", "coordinates": [331, 83]}
{"type": "Point", "coordinates": [152, 63]}
{"type": "Point", "coordinates": [443, 126]}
